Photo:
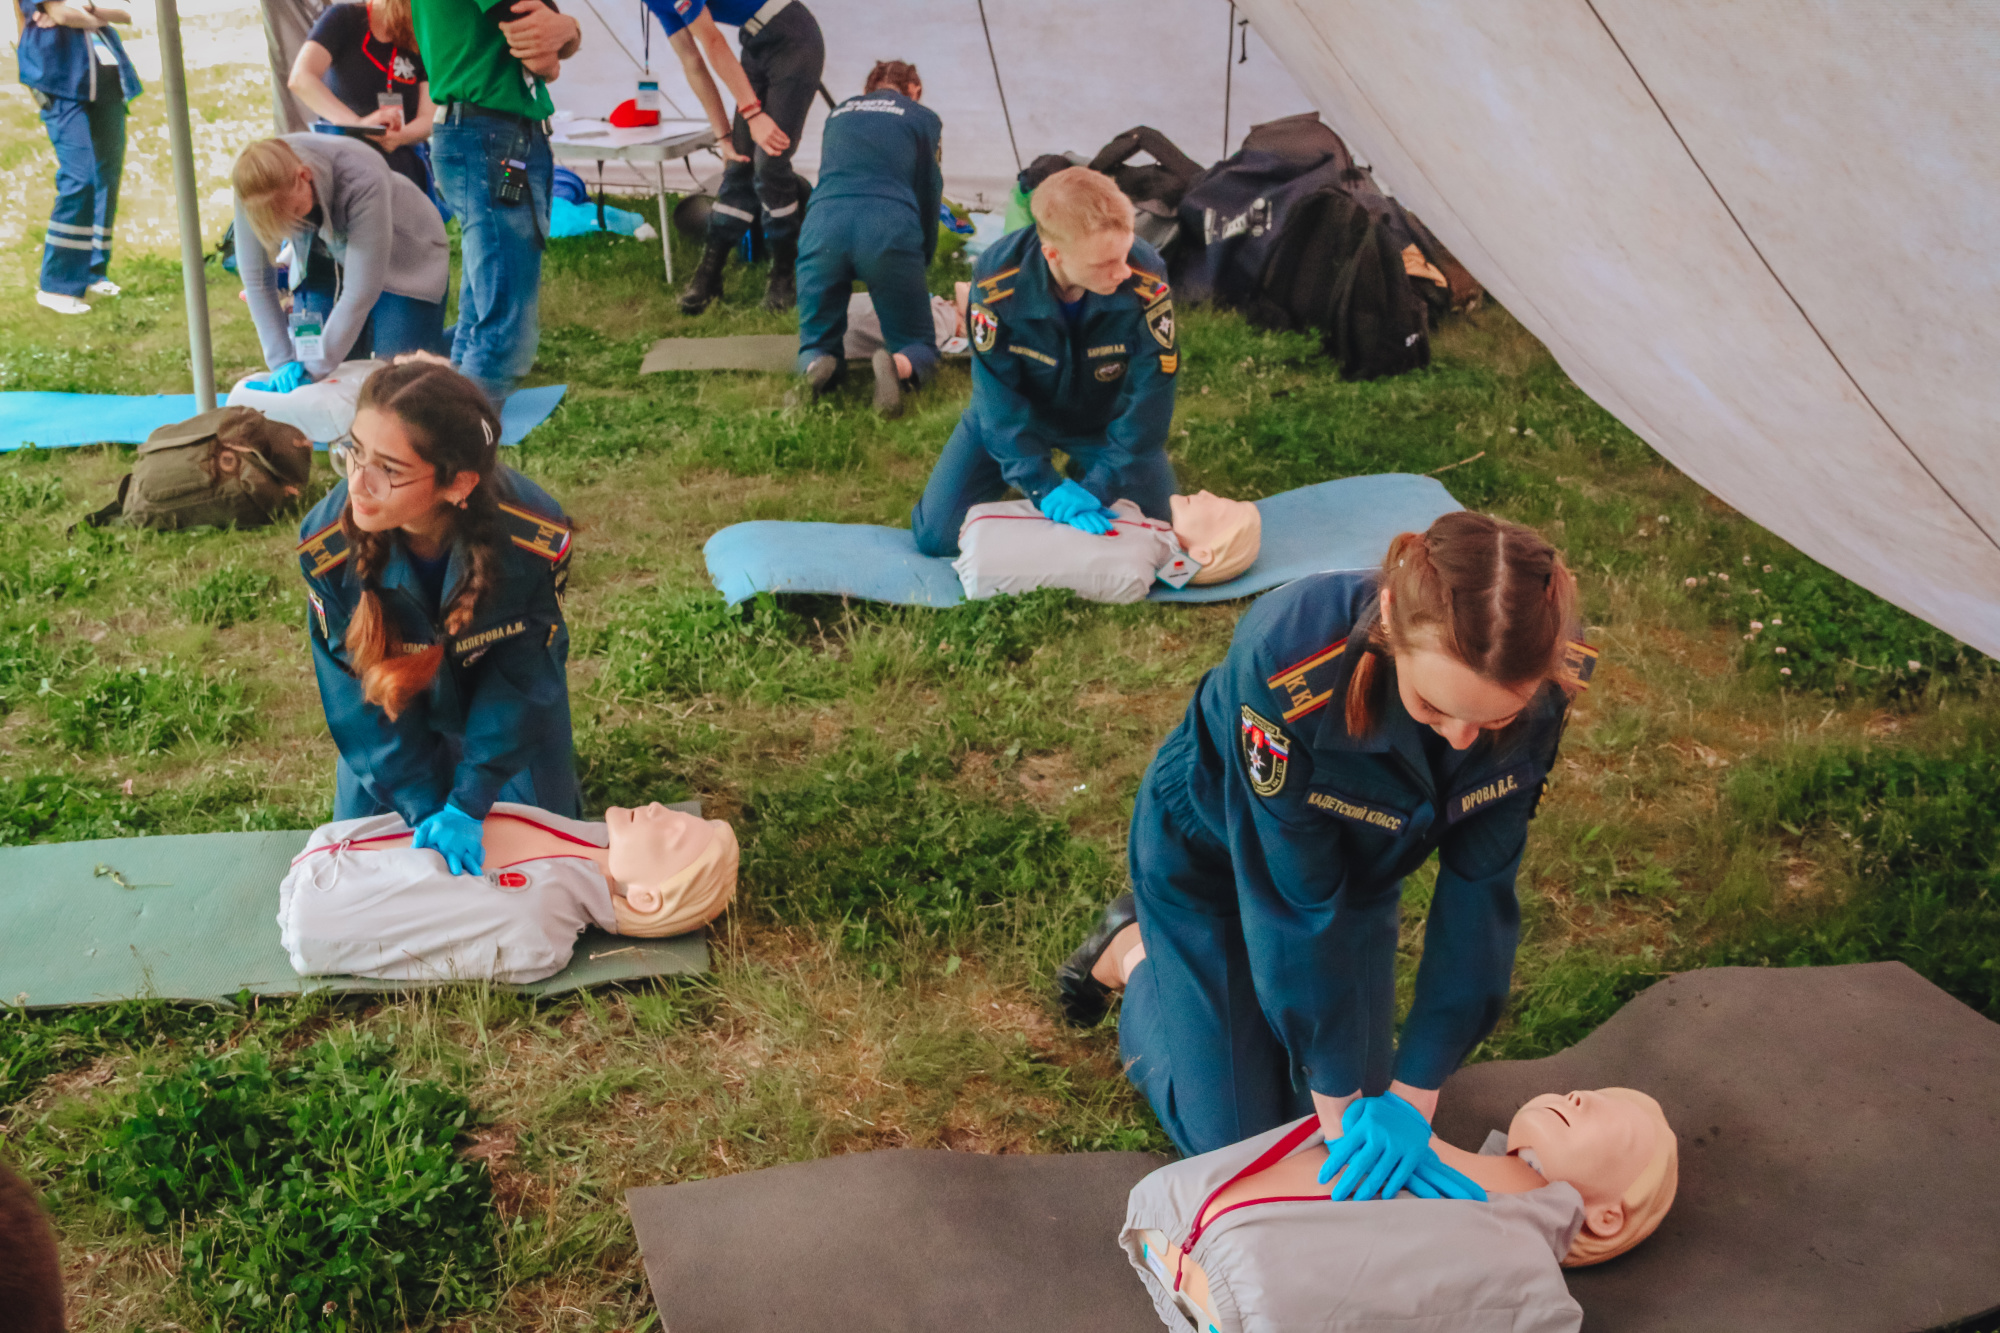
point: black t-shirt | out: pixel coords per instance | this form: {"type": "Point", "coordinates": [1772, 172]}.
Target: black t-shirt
{"type": "Point", "coordinates": [363, 67]}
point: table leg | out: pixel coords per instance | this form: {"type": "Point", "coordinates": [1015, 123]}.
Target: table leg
{"type": "Point", "coordinates": [666, 234]}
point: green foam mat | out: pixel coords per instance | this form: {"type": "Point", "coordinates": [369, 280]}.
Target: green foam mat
{"type": "Point", "coordinates": [773, 353]}
{"type": "Point", "coordinates": [195, 917]}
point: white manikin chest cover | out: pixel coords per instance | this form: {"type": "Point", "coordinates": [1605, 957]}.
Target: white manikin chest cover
{"type": "Point", "coordinates": [354, 904]}
{"type": "Point", "coordinates": [1406, 1264]}
{"type": "Point", "coordinates": [1008, 547]}
{"type": "Point", "coordinates": [322, 411]}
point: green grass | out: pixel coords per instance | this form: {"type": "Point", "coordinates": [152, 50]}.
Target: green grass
{"type": "Point", "coordinates": [931, 804]}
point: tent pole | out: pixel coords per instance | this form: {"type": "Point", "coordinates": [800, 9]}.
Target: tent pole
{"type": "Point", "coordinates": [194, 282]}
{"type": "Point", "coordinates": [1228, 75]}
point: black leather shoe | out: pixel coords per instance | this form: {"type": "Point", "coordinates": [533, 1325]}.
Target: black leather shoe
{"type": "Point", "coordinates": [1084, 999]}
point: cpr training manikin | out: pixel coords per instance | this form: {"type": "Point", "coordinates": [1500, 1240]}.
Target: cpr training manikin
{"type": "Point", "coordinates": [1009, 547]}
{"type": "Point", "coordinates": [1246, 1240]}
{"type": "Point", "coordinates": [360, 901]}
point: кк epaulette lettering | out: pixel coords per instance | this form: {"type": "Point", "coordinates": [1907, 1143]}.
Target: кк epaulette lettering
{"type": "Point", "coordinates": [1148, 287]}
{"type": "Point", "coordinates": [1305, 687]}
{"type": "Point", "coordinates": [1579, 661]}
{"type": "Point", "coordinates": [530, 531]}
{"type": "Point", "coordinates": [323, 551]}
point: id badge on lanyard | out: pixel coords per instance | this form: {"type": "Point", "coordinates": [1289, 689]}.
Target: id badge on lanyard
{"type": "Point", "coordinates": [648, 98]}
{"type": "Point", "coordinates": [308, 336]}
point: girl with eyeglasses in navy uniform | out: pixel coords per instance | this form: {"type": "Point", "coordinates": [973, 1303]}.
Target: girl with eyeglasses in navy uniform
{"type": "Point", "coordinates": [435, 575]}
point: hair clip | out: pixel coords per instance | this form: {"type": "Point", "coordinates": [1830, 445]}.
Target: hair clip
{"type": "Point", "coordinates": [486, 429]}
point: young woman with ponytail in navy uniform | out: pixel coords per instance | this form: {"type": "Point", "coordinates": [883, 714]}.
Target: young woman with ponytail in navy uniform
{"type": "Point", "coordinates": [434, 575]}
{"type": "Point", "coordinates": [1360, 722]}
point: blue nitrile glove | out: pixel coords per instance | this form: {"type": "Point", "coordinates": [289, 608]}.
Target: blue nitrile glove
{"type": "Point", "coordinates": [454, 835]}
{"type": "Point", "coordinates": [1385, 1144]}
{"type": "Point", "coordinates": [283, 380]}
{"type": "Point", "coordinates": [1072, 504]}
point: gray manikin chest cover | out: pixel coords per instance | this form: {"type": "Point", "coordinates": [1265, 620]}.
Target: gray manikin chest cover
{"type": "Point", "coordinates": [1407, 1264]}
{"type": "Point", "coordinates": [1009, 547]}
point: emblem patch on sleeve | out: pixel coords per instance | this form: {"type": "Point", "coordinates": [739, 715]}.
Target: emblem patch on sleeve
{"type": "Point", "coordinates": [985, 328]}
{"type": "Point", "coordinates": [1160, 323]}
{"type": "Point", "coordinates": [1267, 753]}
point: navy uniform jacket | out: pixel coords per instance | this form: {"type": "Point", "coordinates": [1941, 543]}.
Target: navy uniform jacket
{"type": "Point", "coordinates": [1309, 817]}
{"type": "Point", "coordinates": [62, 62]}
{"type": "Point", "coordinates": [1038, 384]}
{"type": "Point", "coordinates": [882, 145]}
{"type": "Point", "coordinates": [502, 689]}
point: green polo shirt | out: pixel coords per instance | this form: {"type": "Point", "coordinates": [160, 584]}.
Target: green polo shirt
{"type": "Point", "coordinates": [466, 56]}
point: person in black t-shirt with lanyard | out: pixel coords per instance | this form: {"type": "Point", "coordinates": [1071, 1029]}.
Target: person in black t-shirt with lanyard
{"type": "Point", "coordinates": [360, 67]}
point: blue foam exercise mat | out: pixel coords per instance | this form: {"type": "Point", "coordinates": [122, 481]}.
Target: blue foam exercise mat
{"type": "Point", "coordinates": [1342, 524]}
{"type": "Point", "coordinates": [67, 420]}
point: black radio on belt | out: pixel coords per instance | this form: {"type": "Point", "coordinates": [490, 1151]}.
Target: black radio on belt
{"type": "Point", "coordinates": [513, 186]}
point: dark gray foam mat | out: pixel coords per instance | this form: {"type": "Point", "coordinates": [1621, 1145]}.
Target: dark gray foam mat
{"type": "Point", "coordinates": [1840, 1173]}
{"type": "Point", "coordinates": [1840, 1150]}
{"type": "Point", "coordinates": [898, 1241]}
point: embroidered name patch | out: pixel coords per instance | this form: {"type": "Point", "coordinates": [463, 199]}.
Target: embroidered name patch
{"type": "Point", "coordinates": [1033, 355]}
{"type": "Point", "coordinates": [1109, 349]}
{"type": "Point", "coordinates": [469, 644]}
{"type": "Point", "coordinates": [1471, 800]}
{"type": "Point", "coordinates": [1359, 812]}
{"type": "Point", "coordinates": [1267, 753]}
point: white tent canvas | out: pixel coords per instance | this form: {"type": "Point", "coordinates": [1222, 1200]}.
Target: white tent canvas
{"type": "Point", "coordinates": [1075, 74]}
{"type": "Point", "coordinates": [1765, 235]}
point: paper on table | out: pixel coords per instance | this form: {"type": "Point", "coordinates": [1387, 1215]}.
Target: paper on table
{"type": "Point", "coordinates": [599, 133]}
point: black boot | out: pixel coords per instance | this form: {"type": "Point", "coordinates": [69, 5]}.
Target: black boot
{"type": "Point", "coordinates": [783, 291]}
{"type": "Point", "coordinates": [706, 285]}
{"type": "Point", "coordinates": [1082, 998]}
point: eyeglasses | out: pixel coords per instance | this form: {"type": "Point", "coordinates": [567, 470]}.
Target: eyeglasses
{"type": "Point", "coordinates": [367, 478]}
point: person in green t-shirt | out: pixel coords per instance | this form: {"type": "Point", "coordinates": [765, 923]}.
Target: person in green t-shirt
{"type": "Point", "coordinates": [490, 62]}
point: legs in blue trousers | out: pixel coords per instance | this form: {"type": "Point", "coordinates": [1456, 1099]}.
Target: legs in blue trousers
{"type": "Point", "coordinates": [89, 139]}
{"type": "Point", "coordinates": [499, 300]}
{"type": "Point", "coordinates": [1191, 1031]}
{"type": "Point", "coordinates": [967, 475]}
{"type": "Point", "coordinates": [873, 241]}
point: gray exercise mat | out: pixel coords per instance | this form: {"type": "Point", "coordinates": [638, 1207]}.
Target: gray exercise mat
{"type": "Point", "coordinates": [199, 921]}
{"type": "Point", "coordinates": [775, 353]}
{"type": "Point", "coordinates": [1840, 1173]}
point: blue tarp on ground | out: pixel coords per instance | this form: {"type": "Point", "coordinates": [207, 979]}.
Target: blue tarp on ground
{"type": "Point", "coordinates": [67, 420]}
{"type": "Point", "coordinates": [1343, 524]}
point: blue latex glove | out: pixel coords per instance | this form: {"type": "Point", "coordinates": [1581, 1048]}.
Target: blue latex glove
{"type": "Point", "coordinates": [454, 835]}
{"type": "Point", "coordinates": [283, 380]}
{"type": "Point", "coordinates": [1385, 1145]}
{"type": "Point", "coordinates": [1070, 503]}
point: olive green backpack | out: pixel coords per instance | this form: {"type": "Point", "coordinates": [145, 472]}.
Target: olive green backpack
{"type": "Point", "coordinates": [231, 466]}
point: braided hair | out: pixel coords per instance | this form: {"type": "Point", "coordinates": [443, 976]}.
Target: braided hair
{"type": "Point", "coordinates": [898, 74]}
{"type": "Point", "coordinates": [1490, 594]}
{"type": "Point", "coordinates": [454, 429]}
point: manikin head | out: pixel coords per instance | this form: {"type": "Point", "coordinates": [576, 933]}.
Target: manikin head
{"type": "Point", "coordinates": [1615, 1147]}
{"type": "Point", "coordinates": [670, 870]}
{"type": "Point", "coordinates": [1222, 535]}
{"type": "Point", "coordinates": [1477, 613]}
{"type": "Point", "coordinates": [1085, 225]}
{"type": "Point", "coordinates": [276, 189]}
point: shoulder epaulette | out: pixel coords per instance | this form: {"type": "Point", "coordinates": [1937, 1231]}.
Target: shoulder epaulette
{"type": "Point", "coordinates": [530, 531]}
{"type": "Point", "coordinates": [1306, 686]}
{"type": "Point", "coordinates": [995, 288]}
{"type": "Point", "coordinates": [1579, 661]}
{"type": "Point", "coordinates": [1149, 287]}
{"type": "Point", "coordinates": [324, 550]}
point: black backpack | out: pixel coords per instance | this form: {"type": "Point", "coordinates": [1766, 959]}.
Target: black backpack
{"type": "Point", "coordinates": [1155, 188]}
{"type": "Point", "coordinates": [1296, 235]}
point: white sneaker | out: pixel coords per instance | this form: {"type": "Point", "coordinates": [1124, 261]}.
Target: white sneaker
{"type": "Point", "coordinates": [104, 287]}
{"type": "Point", "coordinates": [62, 305]}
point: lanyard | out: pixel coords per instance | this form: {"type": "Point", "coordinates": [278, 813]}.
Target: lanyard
{"type": "Point", "coordinates": [388, 70]}
{"type": "Point", "coordinates": [645, 41]}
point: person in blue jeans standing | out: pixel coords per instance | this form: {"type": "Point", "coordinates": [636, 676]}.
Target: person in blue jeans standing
{"type": "Point", "coordinates": [1074, 348]}
{"type": "Point", "coordinates": [490, 62]}
{"type": "Point", "coordinates": [78, 72]}
{"type": "Point", "coordinates": [874, 217]}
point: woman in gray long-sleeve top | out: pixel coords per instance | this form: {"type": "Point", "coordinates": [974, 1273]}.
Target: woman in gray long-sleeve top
{"type": "Point", "coordinates": [391, 259]}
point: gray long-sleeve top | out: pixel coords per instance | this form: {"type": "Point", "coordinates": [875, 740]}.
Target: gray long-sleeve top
{"type": "Point", "coordinates": [385, 235]}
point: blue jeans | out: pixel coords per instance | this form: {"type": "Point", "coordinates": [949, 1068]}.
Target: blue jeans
{"type": "Point", "coordinates": [500, 245]}
{"type": "Point", "coordinates": [89, 139]}
{"type": "Point", "coordinates": [967, 475]}
{"type": "Point", "coordinates": [873, 240]}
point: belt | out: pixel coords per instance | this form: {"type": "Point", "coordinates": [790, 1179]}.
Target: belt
{"type": "Point", "coordinates": [757, 22]}
{"type": "Point", "coordinates": [453, 113]}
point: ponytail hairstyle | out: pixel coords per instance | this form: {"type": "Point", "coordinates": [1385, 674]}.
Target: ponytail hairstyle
{"type": "Point", "coordinates": [1491, 594]}
{"type": "Point", "coordinates": [262, 178]}
{"type": "Point", "coordinates": [454, 429]}
{"type": "Point", "coordinates": [898, 74]}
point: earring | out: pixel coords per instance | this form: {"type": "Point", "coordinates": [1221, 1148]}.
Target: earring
{"type": "Point", "coordinates": [460, 503]}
